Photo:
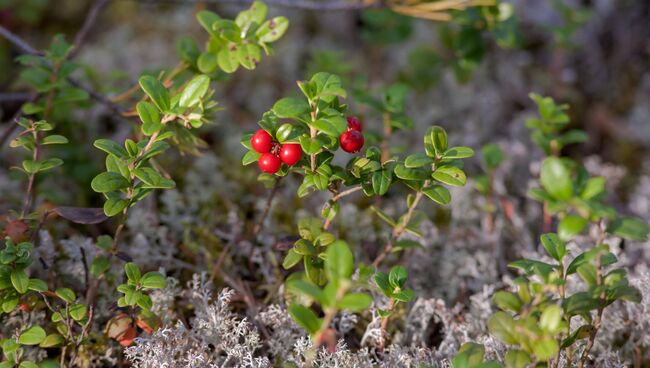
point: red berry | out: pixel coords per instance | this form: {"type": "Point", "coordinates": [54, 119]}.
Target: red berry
{"type": "Point", "coordinates": [269, 163]}
{"type": "Point", "coordinates": [290, 153]}
{"type": "Point", "coordinates": [351, 141]}
{"type": "Point", "coordinates": [354, 123]}
{"type": "Point", "coordinates": [262, 141]}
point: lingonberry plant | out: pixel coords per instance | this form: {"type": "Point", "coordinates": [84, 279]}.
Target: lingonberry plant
{"type": "Point", "coordinates": [170, 107]}
{"type": "Point", "coordinates": [318, 123]}
{"type": "Point", "coordinates": [542, 322]}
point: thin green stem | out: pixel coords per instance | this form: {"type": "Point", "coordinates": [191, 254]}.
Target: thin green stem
{"type": "Point", "coordinates": [398, 230]}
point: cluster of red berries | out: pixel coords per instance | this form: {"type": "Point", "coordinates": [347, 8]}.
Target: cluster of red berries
{"type": "Point", "coordinates": [352, 139]}
{"type": "Point", "coordinates": [273, 153]}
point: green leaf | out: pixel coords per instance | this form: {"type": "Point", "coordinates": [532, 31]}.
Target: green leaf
{"type": "Point", "coordinates": [153, 280]}
{"type": "Point", "coordinates": [253, 15]}
{"type": "Point", "coordinates": [417, 160]}
{"type": "Point", "coordinates": [207, 18]}
{"type": "Point", "coordinates": [289, 107]}
{"type": "Point", "coordinates": [114, 206]}
{"type": "Point", "coordinates": [249, 55]}
{"type": "Point", "coordinates": [305, 317]}
{"type": "Point", "coordinates": [304, 247]}
{"type": "Point", "coordinates": [405, 173]}
{"type": "Point", "coordinates": [194, 91]}
{"type": "Point", "coordinates": [132, 272]}
{"type": "Point", "coordinates": [145, 302]}
{"type": "Point", "coordinates": [581, 332]}
{"type": "Point", "coordinates": [291, 259]}
{"type": "Point", "coordinates": [50, 163]}
{"type": "Point", "coordinates": [580, 303]}
{"type": "Point", "coordinates": [308, 289]}
{"type": "Point", "coordinates": [503, 327]}
{"type": "Point", "coordinates": [310, 146]}
{"type": "Point", "coordinates": [55, 139]}
{"type": "Point", "coordinates": [469, 355]}
{"type": "Point", "coordinates": [78, 311]}
{"type": "Point", "coordinates": [109, 182]}
{"type": "Point", "coordinates": [624, 292]}
{"type": "Point", "coordinates": [272, 29]}
{"type": "Point", "coordinates": [20, 281]}
{"type": "Point", "coordinates": [437, 138]}
{"type": "Point", "coordinates": [31, 166]}
{"type": "Point", "coordinates": [283, 133]}
{"type": "Point", "coordinates": [554, 246]}
{"type": "Point", "coordinates": [227, 60]}
{"type": "Point", "coordinates": [66, 294]}
{"type": "Point", "coordinates": [551, 318]}
{"type": "Point", "coordinates": [156, 92]}
{"type": "Point", "coordinates": [492, 156]}
{"type": "Point", "coordinates": [228, 30]}
{"type": "Point", "coordinates": [545, 348]}
{"type": "Point", "coordinates": [32, 336]}
{"type": "Point", "coordinates": [52, 340]}
{"type": "Point", "coordinates": [593, 188]}
{"type": "Point", "coordinates": [397, 276]}
{"type": "Point", "coordinates": [381, 279]}
{"type": "Point", "coordinates": [450, 175]}
{"type": "Point", "coordinates": [131, 147]}
{"type": "Point", "coordinates": [327, 86]}
{"type": "Point", "coordinates": [556, 179]}
{"type": "Point", "coordinates": [507, 301]}
{"type": "Point", "coordinates": [458, 152]}
{"type": "Point", "coordinates": [9, 303]}
{"type": "Point", "coordinates": [207, 62]}
{"type": "Point", "coordinates": [381, 181]}
{"type": "Point", "coordinates": [588, 273]}
{"type": "Point", "coordinates": [326, 127]}
{"type": "Point", "coordinates": [111, 147]}
{"type": "Point", "coordinates": [517, 359]}
{"type": "Point", "coordinates": [132, 297]}
{"type": "Point", "coordinates": [150, 118]}
{"type": "Point", "coordinates": [28, 364]}
{"type": "Point", "coordinates": [152, 179]}
{"type": "Point", "coordinates": [105, 242]}
{"type": "Point", "coordinates": [355, 302]}
{"type": "Point", "coordinates": [250, 157]}
{"type": "Point", "coordinates": [438, 194]}
{"type": "Point", "coordinates": [632, 228]}
{"type": "Point", "coordinates": [37, 285]}
{"type": "Point", "coordinates": [99, 265]}
{"type": "Point", "coordinates": [404, 296]}
{"type": "Point", "coordinates": [570, 226]}
{"type": "Point", "coordinates": [339, 261]}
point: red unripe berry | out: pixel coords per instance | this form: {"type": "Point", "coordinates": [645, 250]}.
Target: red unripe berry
{"type": "Point", "coordinates": [269, 163]}
{"type": "Point", "coordinates": [290, 153]}
{"type": "Point", "coordinates": [351, 141]}
{"type": "Point", "coordinates": [354, 123]}
{"type": "Point", "coordinates": [262, 141]}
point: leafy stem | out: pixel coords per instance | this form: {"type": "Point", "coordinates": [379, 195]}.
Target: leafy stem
{"type": "Point", "coordinates": [32, 177]}
{"type": "Point", "coordinates": [398, 230]}
{"type": "Point", "coordinates": [337, 197]}
{"type": "Point", "coordinates": [313, 132]}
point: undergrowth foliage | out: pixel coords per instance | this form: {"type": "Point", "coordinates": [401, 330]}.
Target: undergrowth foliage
{"type": "Point", "coordinates": [335, 292]}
